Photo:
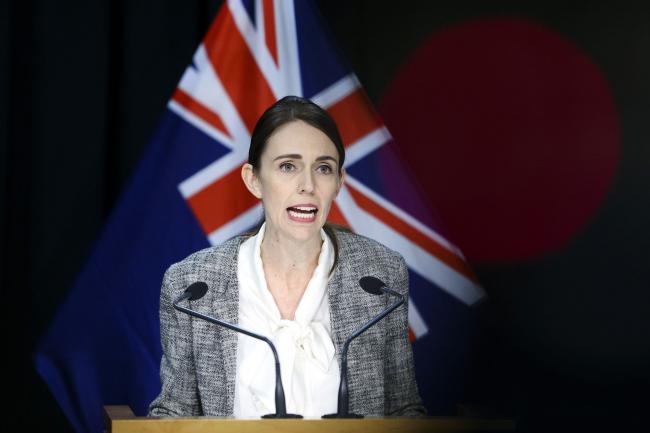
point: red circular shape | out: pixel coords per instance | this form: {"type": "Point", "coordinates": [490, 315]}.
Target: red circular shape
{"type": "Point", "coordinates": [511, 130]}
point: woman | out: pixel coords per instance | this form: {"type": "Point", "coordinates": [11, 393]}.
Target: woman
{"type": "Point", "coordinates": [294, 280]}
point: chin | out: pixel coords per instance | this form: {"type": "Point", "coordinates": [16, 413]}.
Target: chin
{"type": "Point", "coordinates": [305, 231]}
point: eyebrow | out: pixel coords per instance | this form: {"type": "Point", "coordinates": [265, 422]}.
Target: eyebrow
{"type": "Point", "coordinates": [298, 156]}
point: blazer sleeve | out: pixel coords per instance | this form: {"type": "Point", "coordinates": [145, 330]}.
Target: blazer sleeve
{"type": "Point", "coordinates": [179, 392]}
{"type": "Point", "coordinates": [400, 389]}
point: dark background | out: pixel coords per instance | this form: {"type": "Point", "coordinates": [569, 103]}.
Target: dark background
{"type": "Point", "coordinates": [563, 339]}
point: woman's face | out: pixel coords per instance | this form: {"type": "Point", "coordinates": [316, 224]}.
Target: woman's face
{"type": "Point", "coordinates": [297, 180]}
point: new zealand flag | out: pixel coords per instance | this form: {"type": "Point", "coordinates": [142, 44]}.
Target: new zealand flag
{"type": "Point", "coordinates": [104, 345]}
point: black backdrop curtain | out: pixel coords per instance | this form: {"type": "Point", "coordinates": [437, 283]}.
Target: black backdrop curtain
{"type": "Point", "coordinates": [83, 84]}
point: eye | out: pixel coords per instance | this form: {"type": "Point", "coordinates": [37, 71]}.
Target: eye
{"type": "Point", "coordinates": [287, 167]}
{"type": "Point", "coordinates": [325, 169]}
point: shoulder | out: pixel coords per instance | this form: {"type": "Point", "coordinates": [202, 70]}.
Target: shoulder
{"type": "Point", "coordinates": [208, 262]}
{"type": "Point", "coordinates": [358, 245]}
{"type": "Point", "coordinates": [360, 256]}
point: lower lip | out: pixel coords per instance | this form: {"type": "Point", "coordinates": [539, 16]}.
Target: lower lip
{"type": "Point", "coordinates": [310, 217]}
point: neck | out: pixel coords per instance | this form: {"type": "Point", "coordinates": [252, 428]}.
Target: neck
{"type": "Point", "coordinates": [288, 254]}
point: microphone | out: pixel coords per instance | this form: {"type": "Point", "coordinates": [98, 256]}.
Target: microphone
{"type": "Point", "coordinates": [196, 291]}
{"type": "Point", "coordinates": [373, 286]}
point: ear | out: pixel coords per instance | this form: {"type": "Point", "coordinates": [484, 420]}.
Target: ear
{"type": "Point", "coordinates": [251, 180]}
{"type": "Point", "coordinates": [341, 180]}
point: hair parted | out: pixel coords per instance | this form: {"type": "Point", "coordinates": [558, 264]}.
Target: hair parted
{"type": "Point", "coordinates": [291, 109]}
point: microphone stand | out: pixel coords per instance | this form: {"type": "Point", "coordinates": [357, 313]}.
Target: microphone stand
{"type": "Point", "coordinates": [343, 398]}
{"type": "Point", "coordinates": [280, 402]}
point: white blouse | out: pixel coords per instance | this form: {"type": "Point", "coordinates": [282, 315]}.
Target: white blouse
{"type": "Point", "coordinates": [310, 371]}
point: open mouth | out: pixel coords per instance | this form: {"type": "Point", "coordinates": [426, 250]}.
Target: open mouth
{"type": "Point", "coordinates": [302, 213]}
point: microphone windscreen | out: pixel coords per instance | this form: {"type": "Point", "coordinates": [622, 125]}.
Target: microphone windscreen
{"type": "Point", "coordinates": [197, 290]}
{"type": "Point", "coordinates": [372, 285]}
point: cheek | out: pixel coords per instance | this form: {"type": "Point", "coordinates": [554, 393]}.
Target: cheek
{"type": "Point", "coordinates": [275, 193]}
{"type": "Point", "coordinates": [331, 188]}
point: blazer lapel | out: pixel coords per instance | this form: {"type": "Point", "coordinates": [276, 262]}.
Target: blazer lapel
{"type": "Point", "coordinates": [216, 346]}
{"type": "Point", "coordinates": [341, 329]}
{"type": "Point", "coordinates": [350, 308]}
{"type": "Point", "coordinates": [226, 307]}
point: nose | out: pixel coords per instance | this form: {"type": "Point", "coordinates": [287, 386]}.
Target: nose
{"type": "Point", "coordinates": [306, 185]}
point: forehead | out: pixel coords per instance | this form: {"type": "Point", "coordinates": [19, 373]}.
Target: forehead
{"type": "Point", "coordinates": [299, 137]}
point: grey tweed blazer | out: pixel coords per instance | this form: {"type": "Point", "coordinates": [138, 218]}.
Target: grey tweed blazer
{"type": "Point", "coordinates": [199, 359]}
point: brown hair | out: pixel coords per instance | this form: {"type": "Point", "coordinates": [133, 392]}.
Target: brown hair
{"type": "Point", "coordinates": [290, 109]}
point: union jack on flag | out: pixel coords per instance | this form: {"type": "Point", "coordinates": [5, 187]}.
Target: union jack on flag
{"type": "Point", "coordinates": [255, 53]}
{"type": "Point", "coordinates": [104, 345]}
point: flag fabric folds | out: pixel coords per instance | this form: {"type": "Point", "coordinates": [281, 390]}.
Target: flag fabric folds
{"type": "Point", "coordinates": [103, 346]}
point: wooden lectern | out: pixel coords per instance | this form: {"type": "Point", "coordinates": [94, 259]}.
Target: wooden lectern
{"type": "Point", "coordinates": [120, 419]}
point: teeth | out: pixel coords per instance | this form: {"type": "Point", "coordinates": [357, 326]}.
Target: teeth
{"type": "Point", "coordinates": [306, 209]}
{"type": "Point", "coordinates": [305, 216]}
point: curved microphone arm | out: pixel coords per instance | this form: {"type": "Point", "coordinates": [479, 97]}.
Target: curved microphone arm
{"type": "Point", "coordinates": [344, 394]}
{"type": "Point", "coordinates": [280, 401]}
